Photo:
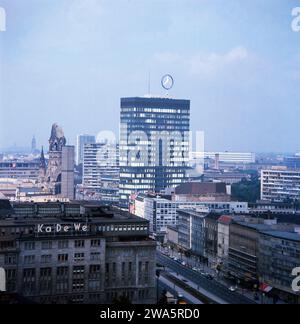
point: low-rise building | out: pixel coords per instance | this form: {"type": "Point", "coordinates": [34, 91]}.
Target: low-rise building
{"type": "Point", "coordinates": [211, 237]}
{"type": "Point", "coordinates": [191, 230]}
{"type": "Point", "coordinates": [28, 170]}
{"type": "Point", "coordinates": [243, 250]}
{"type": "Point", "coordinates": [162, 212]}
{"type": "Point", "coordinates": [223, 238]}
{"type": "Point", "coordinates": [202, 191]}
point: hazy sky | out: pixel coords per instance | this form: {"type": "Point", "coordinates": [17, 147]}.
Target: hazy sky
{"type": "Point", "coordinates": [70, 61]}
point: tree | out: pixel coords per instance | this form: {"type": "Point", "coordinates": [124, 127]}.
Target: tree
{"type": "Point", "coordinates": [247, 190]}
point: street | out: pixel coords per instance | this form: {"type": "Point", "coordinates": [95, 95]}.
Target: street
{"type": "Point", "coordinates": [211, 286]}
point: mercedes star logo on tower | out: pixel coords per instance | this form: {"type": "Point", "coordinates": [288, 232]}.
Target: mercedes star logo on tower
{"type": "Point", "coordinates": [167, 82]}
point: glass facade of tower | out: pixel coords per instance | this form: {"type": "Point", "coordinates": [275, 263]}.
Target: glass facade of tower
{"type": "Point", "coordinates": [154, 144]}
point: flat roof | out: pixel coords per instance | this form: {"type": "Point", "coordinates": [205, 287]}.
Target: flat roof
{"type": "Point", "coordinates": [258, 227]}
{"type": "Point", "coordinates": [283, 235]}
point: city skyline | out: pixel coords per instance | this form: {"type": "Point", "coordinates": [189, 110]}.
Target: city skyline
{"type": "Point", "coordinates": [46, 74]}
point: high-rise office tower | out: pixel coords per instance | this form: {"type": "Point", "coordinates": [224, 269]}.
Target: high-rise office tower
{"type": "Point", "coordinates": [80, 142]}
{"type": "Point", "coordinates": [101, 171]}
{"type": "Point", "coordinates": [154, 144]}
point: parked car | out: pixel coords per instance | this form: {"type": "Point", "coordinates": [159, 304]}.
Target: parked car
{"type": "Point", "coordinates": [209, 276]}
{"type": "Point", "coordinates": [233, 288]}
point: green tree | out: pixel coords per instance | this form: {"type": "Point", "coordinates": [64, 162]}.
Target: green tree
{"type": "Point", "coordinates": [246, 190]}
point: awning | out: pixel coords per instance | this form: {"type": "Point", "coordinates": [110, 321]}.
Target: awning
{"type": "Point", "coordinates": [265, 288]}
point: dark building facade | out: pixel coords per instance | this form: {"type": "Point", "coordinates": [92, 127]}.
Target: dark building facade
{"type": "Point", "coordinates": [279, 254]}
{"type": "Point", "coordinates": [211, 236]}
{"type": "Point", "coordinates": [244, 250]}
{"type": "Point", "coordinates": [77, 253]}
{"type": "Point", "coordinates": [154, 144]}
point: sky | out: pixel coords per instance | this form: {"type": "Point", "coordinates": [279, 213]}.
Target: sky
{"type": "Point", "coordinates": [70, 62]}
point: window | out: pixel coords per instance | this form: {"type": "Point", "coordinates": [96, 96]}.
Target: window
{"type": "Point", "coordinates": [95, 243]}
{"type": "Point", "coordinates": [11, 279]}
{"type": "Point", "coordinates": [78, 278]}
{"type": "Point", "coordinates": [29, 281]}
{"type": "Point", "coordinates": [79, 244]}
{"type": "Point", "coordinates": [63, 244]}
{"type": "Point", "coordinates": [10, 259]}
{"type": "Point", "coordinates": [29, 246]}
{"type": "Point", "coordinates": [29, 259]}
{"type": "Point", "coordinates": [47, 258]}
{"type": "Point", "coordinates": [95, 272]}
{"type": "Point", "coordinates": [78, 257]}
{"type": "Point", "coordinates": [62, 279]}
{"type": "Point", "coordinates": [95, 256]}
{"type": "Point", "coordinates": [45, 280]}
{"type": "Point", "coordinates": [46, 245]}
{"type": "Point", "coordinates": [62, 257]}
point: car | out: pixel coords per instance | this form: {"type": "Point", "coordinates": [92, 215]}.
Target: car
{"type": "Point", "coordinates": [233, 288]}
{"type": "Point", "coordinates": [209, 276]}
{"type": "Point", "coordinates": [175, 259]}
{"type": "Point", "coordinates": [195, 269]}
{"type": "Point", "coordinates": [183, 263]}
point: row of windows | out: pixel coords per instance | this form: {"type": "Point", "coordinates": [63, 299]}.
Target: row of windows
{"type": "Point", "coordinates": [48, 258]}
{"type": "Point", "coordinates": [47, 245]}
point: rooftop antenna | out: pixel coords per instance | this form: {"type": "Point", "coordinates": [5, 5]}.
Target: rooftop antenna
{"type": "Point", "coordinates": [149, 83]}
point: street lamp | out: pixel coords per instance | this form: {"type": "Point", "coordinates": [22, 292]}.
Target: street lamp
{"type": "Point", "coordinates": [157, 285]}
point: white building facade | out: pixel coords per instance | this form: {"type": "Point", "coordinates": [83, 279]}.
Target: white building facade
{"type": "Point", "coordinates": [280, 185]}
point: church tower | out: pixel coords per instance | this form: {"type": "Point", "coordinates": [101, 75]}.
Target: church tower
{"type": "Point", "coordinates": [56, 143]}
{"type": "Point", "coordinates": [42, 168]}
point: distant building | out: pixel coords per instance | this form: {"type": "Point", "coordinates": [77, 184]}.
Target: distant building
{"type": "Point", "coordinates": [226, 157]}
{"type": "Point", "coordinates": [154, 144]}
{"type": "Point", "coordinates": [228, 177]}
{"type": "Point", "coordinates": [81, 140]}
{"type": "Point", "coordinates": [42, 167]}
{"type": "Point", "coordinates": [27, 170]}
{"type": "Point", "coordinates": [33, 145]}
{"type": "Point", "coordinates": [101, 172]}
{"type": "Point", "coordinates": [292, 162]}
{"type": "Point", "coordinates": [162, 212]}
{"type": "Point", "coordinates": [274, 208]}
{"type": "Point", "coordinates": [280, 185]}
{"type": "Point", "coordinates": [200, 191]}
{"type": "Point", "coordinates": [106, 254]}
